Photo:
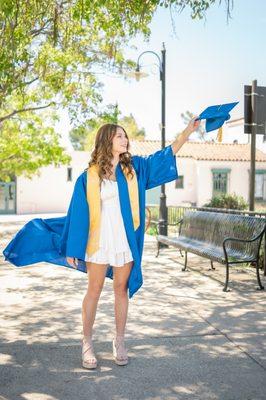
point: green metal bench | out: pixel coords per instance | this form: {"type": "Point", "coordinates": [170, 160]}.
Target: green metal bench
{"type": "Point", "coordinates": [222, 237]}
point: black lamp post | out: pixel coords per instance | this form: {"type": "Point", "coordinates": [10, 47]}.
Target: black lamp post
{"type": "Point", "coordinates": [163, 215]}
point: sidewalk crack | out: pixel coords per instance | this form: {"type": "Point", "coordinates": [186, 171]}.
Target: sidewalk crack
{"type": "Point", "coordinates": [231, 340]}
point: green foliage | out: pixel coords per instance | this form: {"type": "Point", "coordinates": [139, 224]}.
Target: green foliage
{"type": "Point", "coordinates": [78, 137]}
{"type": "Point", "coordinates": [131, 127]}
{"type": "Point", "coordinates": [198, 7]}
{"type": "Point", "coordinates": [51, 53]}
{"type": "Point", "coordinates": [26, 145]}
{"type": "Point", "coordinates": [151, 230]}
{"type": "Point", "coordinates": [83, 137]}
{"type": "Point", "coordinates": [231, 201]}
{"type": "Point", "coordinates": [52, 48]}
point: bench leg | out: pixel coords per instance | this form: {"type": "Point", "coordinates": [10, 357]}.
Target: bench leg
{"type": "Point", "coordinates": [227, 278]}
{"type": "Point", "coordinates": [158, 248]}
{"type": "Point", "coordinates": [258, 276]}
{"type": "Point", "coordinates": [185, 266]}
{"type": "Point", "coordinates": [180, 251]}
{"type": "Point", "coordinates": [212, 267]}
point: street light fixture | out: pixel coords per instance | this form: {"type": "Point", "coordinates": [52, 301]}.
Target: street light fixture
{"type": "Point", "coordinates": [163, 215]}
{"type": "Point", "coordinates": [137, 74]}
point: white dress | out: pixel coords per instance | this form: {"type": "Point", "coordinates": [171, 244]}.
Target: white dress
{"type": "Point", "coordinates": [113, 247]}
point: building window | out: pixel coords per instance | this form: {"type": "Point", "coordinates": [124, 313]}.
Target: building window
{"type": "Point", "coordinates": [69, 174]}
{"type": "Point", "coordinates": [179, 183]}
{"type": "Point", "coordinates": [260, 184]}
{"type": "Point", "coordinates": [219, 181]}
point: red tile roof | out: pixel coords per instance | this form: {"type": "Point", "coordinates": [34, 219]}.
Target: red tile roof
{"type": "Point", "coordinates": [200, 150]}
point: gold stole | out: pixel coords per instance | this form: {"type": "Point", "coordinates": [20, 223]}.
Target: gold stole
{"type": "Point", "coordinates": [94, 202]}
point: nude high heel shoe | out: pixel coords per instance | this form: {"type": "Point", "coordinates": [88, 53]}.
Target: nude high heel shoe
{"type": "Point", "coordinates": [88, 357]}
{"type": "Point", "coordinates": [119, 351]}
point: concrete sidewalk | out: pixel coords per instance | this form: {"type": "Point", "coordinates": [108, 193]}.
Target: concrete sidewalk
{"type": "Point", "coordinates": [187, 339]}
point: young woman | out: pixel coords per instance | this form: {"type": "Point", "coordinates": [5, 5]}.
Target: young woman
{"type": "Point", "coordinates": [103, 231]}
{"type": "Point", "coordinates": [111, 147]}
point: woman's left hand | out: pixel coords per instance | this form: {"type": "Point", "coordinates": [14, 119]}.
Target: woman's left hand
{"type": "Point", "coordinates": [192, 125]}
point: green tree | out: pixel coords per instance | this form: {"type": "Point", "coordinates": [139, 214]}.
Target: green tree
{"type": "Point", "coordinates": [26, 145]}
{"type": "Point", "coordinates": [83, 136]}
{"type": "Point", "coordinates": [131, 127]}
{"type": "Point", "coordinates": [53, 49]}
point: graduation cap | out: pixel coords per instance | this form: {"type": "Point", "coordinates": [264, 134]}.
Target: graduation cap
{"type": "Point", "coordinates": [216, 116]}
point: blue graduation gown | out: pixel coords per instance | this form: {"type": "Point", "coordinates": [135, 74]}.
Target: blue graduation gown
{"type": "Point", "coordinates": [53, 239]}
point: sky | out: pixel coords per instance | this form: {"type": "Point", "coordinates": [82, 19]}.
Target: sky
{"type": "Point", "coordinates": [207, 62]}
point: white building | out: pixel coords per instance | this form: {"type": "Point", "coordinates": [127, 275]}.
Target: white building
{"type": "Point", "coordinates": [209, 168]}
{"type": "Point", "coordinates": [205, 168]}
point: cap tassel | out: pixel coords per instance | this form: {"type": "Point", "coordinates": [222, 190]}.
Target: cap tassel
{"type": "Point", "coordinates": [220, 134]}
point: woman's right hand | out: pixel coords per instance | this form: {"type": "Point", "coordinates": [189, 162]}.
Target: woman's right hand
{"type": "Point", "coordinates": [72, 261]}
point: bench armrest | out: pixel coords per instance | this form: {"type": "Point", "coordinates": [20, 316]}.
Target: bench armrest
{"type": "Point", "coordinates": [244, 241]}
{"type": "Point", "coordinates": [167, 224]}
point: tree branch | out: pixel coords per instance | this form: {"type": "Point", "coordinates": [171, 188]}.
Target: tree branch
{"type": "Point", "coordinates": [24, 110]}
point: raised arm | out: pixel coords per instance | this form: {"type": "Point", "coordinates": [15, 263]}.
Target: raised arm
{"type": "Point", "coordinates": [183, 136]}
{"type": "Point", "coordinates": [157, 168]}
{"type": "Point", "coordinates": [160, 167]}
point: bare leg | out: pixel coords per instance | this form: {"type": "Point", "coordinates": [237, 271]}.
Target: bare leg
{"type": "Point", "coordinates": [121, 275]}
{"type": "Point", "coordinates": [96, 277]}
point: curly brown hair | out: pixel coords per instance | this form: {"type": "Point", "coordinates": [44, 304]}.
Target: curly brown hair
{"type": "Point", "coordinates": [102, 153]}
